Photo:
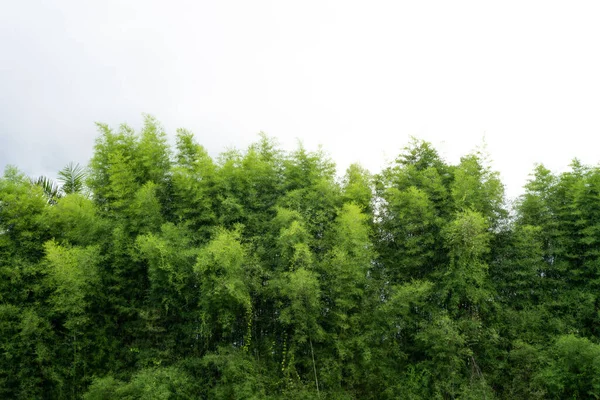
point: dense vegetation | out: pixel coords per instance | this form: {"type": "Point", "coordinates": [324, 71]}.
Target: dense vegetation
{"type": "Point", "coordinates": [160, 273]}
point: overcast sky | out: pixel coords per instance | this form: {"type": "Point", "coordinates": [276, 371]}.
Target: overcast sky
{"type": "Point", "coordinates": [358, 77]}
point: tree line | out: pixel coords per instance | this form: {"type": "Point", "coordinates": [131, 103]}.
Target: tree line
{"type": "Point", "coordinates": [162, 273]}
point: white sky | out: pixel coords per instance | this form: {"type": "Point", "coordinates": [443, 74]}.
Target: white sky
{"type": "Point", "coordinates": [357, 77]}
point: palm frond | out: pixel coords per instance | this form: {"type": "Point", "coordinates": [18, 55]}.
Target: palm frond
{"type": "Point", "coordinates": [72, 178]}
{"type": "Point", "coordinates": [51, 189]}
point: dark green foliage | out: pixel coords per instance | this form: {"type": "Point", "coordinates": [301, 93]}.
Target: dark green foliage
{"type": "Point", "coordinates": [573, 369]}
{"type": "Point", "coordinates": [414, 203]}
{"type": "Point", "coordinates": [168, 383]}
{"type": "Point", "coordinates": [164, 274]}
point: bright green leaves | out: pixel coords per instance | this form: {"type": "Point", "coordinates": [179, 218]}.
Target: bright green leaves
{"type": "Point", "coordinates": [153, 153]}
{"type": "Point", "coordinates": [75, 219]}
{"type": "Point", "coordinates": [434, 231]}
{"type": "Point", "coordinates": [476, 187]}
{"type": "Point", "coordinates": [301, 290]}
{"type": "Point", "coordinates": [298, 283]}
{"type": "Point", "coordinates": [421, 156]}
{"type": "Point", "coordinates": [74, 281]}
{"type": "Point", "coordinates": [305, 169]}
{"type": "Point", "coordinates": [466, 237]}
{"type": "Point", "coordinates": [298, 292]}
{"type": "Point", "coordinates": [229, 189]}
{"type": "Point", "coordinates": [27, 342]}
{"type": "Point", "coordinates": [224, 287]}
{"type": "Point", "coordinates": [345, 267]}
{"type": "Point", "coordinates": [22, 207]}
{"type": "Point", "coordinates": [146, 209]}
{"type": "Point", "coordinates": [192, 182]}
{"type": "Point", "coordinates": [191, 156]}
{"type": "Point", "coordinates": [587, 221]}
{"type": "Point", "coordinates": [400, 317]}
{"type": "Point", "coordinates": [351, 232]}
{"type": "Point", "coordinates": [113, 153]}
{"type": "Point", "coordinates": [293, 243]}
{"type": "Point", "coordinates": [420, 165]}
{"type": "Point", "coordinates": [311, 190]}
{"type": "Point", "coordinates": [170, 257]}
{"type": "Point", "coordinates": [124, 162]}
{"type": "Point", "coordinates": [222, 262]}
{"type": "Point", "coordinates": [300, 307]}
{"type": "Point", "coordinates": [261, 275]}
{"type": "Point", "coordinates": [122, 181]}
{"type": "Point", "coordinates": [464, 281]}
{"type": "Point", "coordinates": [357, 187]}
{"type": "Point", "coordinates": [73, 273]}
{"type": "Point", "coordinates": [408, 299]}
{"type": "Point", "coordinates": [248, 185]}
{"type": "Point", "coordinates": [262, 181]}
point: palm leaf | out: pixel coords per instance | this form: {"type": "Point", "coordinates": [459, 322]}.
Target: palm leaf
{"type": "Point", "coordinates": [51, 189]}
{"type": "Point", "coordinates": [72, 178]}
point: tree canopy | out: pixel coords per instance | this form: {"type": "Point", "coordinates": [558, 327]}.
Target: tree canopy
{"type": "Point", "coordinates": [159, 272]}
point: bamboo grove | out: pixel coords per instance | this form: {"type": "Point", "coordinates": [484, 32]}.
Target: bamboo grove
{"type": "Point", "coordinates": [158, 272]}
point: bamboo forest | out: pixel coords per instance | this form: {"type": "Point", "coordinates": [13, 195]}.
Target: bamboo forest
{"type": "Point", "coordinates": [159, 272]}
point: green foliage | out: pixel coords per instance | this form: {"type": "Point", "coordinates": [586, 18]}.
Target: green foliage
{"type": "Point", "coordinates": [22, 208]}
{"type": "Point", "coordinates": [167, 383]}
{"type": "Point", "coordinates": [159, 273]}
{"type": "Point", "coordinates": [233, 374]}
{"type": "Point", "coordinates": [224, 289]}
{"type": "Point", "coordinates": [476, 187]}
{"type": "Point", "coordinates": [519, 272]}
{"type": "Point", "coordinates": [171, 258]}
{"type": "Point", "coordinates": [73, 273]}
{"type": "Point", "coordinates": [357, 187]}
{"type": "Point", "coordinates": [50, 189]}
{"type": "Point", "coordinates": [573, 370]}
{"type": "Point", "coordinates": [444, 347]}
{"type": "Point", "coordinates": [72, 178]}
{"type": "Point", "coordinates": [74, 219]}
{"type": "Point", "coordinates": [410, 229]}
{"type": "Point", "coordinates": [192, 180]}
{"type": "Point", "coordinates": [301, 291]}
{"type": "Point", "coordinates": [518, 377]}
{"type": "Point", "coordinates": [463, 283]}
{"type": "Point", "coordinates": [414, 203]}
{"type": "Point", "coordinates": [27, 345]}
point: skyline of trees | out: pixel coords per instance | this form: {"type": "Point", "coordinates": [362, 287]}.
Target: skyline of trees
{"type": "Point", "coordinates": [162, 273]}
